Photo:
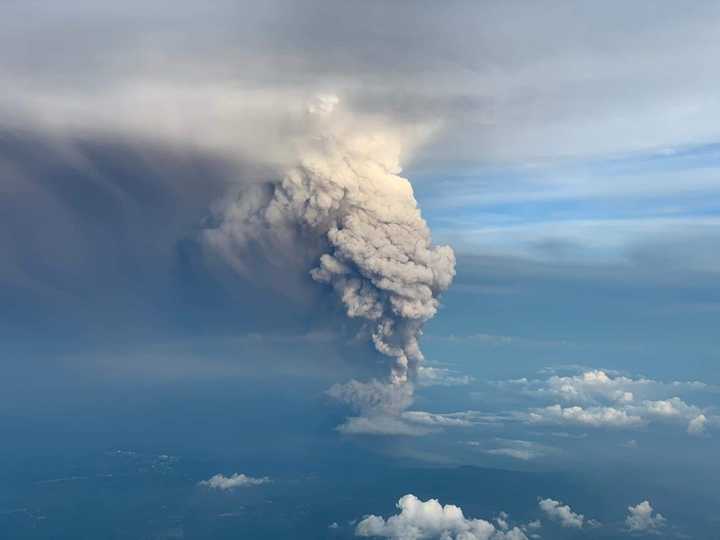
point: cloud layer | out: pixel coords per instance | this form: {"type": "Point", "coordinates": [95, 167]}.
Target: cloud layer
{"type": "Point", "coordinates": [598, 399]}
{"type": "Point", "coordinates": [499, 97]}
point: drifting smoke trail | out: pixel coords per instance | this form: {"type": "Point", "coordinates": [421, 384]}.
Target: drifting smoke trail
{"type": "Point", "coordinates": [346, 202]}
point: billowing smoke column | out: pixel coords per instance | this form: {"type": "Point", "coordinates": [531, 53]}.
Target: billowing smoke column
{"type": "Point", "coordinates": [345, 201]}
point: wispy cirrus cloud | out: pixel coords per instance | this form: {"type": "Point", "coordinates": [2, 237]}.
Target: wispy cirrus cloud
{"type": "Point", "coordinates": [514, 448]}
{"type": "Point", "coordinates": [440, 376]}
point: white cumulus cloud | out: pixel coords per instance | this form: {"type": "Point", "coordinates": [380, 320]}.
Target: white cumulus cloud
{"type": "Point", "coordinates": [591, 416]}
{"type": "Point", "coordinates": [697, 425]}
{"type": "Point", "coordinates": [430, 520]}
{"type": "Point", "coordinates": [642, 517]}
{"type": "Point", "coordinates": [236, 480]}
{"type": "Point", "coordinates": [598, 398]}
{"type": "Point", "coordinates": [601, 387]}
{"type": "Point", "coordinates": [562, 513]}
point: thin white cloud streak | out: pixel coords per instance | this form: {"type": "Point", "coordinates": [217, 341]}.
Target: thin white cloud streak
{"type": "Point", "coordinates": [604, 240]}
{"type": "Point", "coordinates": [381, 425]}
{"type": "Point", "coordinates": [437, 420]}
{"type": "Point", "coordinates": [560, 186]}
{"type": "Point", "coordinates": [514, 448]}
{"type": "Point", "coordinates": [497, 340]}
{"type": "Point", "coordinates": [406, 423]}
{"type": "Point", "coordinates": [438, 376]}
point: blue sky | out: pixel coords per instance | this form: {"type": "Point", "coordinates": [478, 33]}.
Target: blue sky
{"type": "Point", "coordinates": [569, 155]}
{"type": "Point", "coordinates": [600, 206]}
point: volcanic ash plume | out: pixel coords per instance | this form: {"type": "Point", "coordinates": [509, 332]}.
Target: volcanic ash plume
{"type": "Point", "coordinates": [345, 202]}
